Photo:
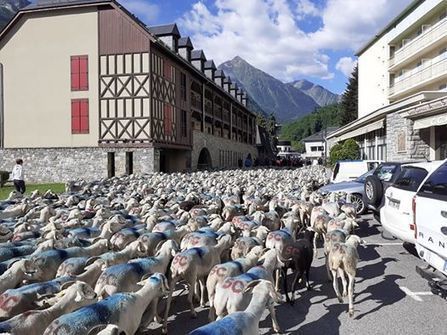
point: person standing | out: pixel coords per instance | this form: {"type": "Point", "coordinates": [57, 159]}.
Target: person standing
{"type": "Point", "coordinates": [17, 176]}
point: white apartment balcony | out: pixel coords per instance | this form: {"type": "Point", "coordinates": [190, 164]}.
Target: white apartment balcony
{"type": "Point", "coordinates": [430, 38]}
{"type": "Point", "coordinates": [418, 78]}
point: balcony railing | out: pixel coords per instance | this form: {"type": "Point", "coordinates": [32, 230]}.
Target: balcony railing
{"type": "Point", "coordinates": [430, 70]}
{"type": "Point", "coordinates": [429, 36]}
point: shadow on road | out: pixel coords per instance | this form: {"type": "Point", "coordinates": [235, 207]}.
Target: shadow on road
{"type": "Point", "coordinates": [386, 292]}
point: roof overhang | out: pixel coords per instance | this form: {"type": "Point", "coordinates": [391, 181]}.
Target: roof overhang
{"type": "Point", "coordinates": [380, 114]}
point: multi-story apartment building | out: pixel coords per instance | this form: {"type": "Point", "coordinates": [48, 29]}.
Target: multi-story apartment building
{"type": "Point", "coordinates": [87, 90]}
{"type": "Point", "coordinates": [403, 87]}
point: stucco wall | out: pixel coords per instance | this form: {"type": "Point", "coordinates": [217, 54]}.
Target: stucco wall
{"type": "Point", "coordinates": [37, 82]}
{"type": "Point", "coordinates": [416, 141]}
{"type": "Point", "coordinates": [60, 165]}
{"type": "Point", "coordinates": [374, 77]}
{"type": "Point", "coordinates": [216, 144]}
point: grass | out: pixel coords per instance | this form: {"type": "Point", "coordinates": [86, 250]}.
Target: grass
{"type": "Point", "coordinates": [55, 187]}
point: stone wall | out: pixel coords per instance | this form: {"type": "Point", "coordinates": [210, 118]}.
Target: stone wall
{"type": "Point", "coordinates": [403, 142]}
{"type": "Point", "coordinates": [62, 164]}
{"type": "Point", "coordinates": [215, 146]}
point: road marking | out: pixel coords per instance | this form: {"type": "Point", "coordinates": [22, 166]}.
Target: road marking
{"type": "Point", "coordinates": [414, 295]}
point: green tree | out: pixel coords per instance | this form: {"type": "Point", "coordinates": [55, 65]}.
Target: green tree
{"type": "Point", "coordinates": [349, 100]}
{"type": "Point", "coordinates": [349, 149]}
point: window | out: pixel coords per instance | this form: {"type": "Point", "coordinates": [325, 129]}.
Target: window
{"type": "Point", "coordinates": [436, 184]}
{"type": "Point", "coordinates": [410, 178]}
{"type": "Point", "coordinates": [184, 124]}
{"type": "Point", "coordinates": [79, 73]}
{"type": "Point", "coordinates": [385, 172]}
{"type": "Point", "coordinates": [169, 71]}
{"type": "Point", "coordinates": [79, 116]}
{"type": "Point", "coordinates": [183, 86]}
{"type": "Point", "coordinates": [167, 120]}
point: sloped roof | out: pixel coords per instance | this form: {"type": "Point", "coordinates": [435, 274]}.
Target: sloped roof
{"type": "Point", "coordinates": [320, 135]}
{"type": "Point", "coordinates": [209, 64]}
{"type": "Point", "coordinates": [219, 73]}
{"type": "Point", "coordinates": [165, 30]}
{"type": "Point", "coordinates": [185, 42]}
{"type": "Point", "coordinates": [198, 54]}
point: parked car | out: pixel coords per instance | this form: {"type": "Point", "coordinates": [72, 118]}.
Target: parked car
{"type": "Point", "coordinates": [354, 189]}
{"type": "Point", "coordinates": [430, 228]}
{"type": "Point", "coordinates": [396, 215]}
{"type": "Point", "coordinates": [350, 170]}
{"type": "Point", "coordinates": [375, 185]}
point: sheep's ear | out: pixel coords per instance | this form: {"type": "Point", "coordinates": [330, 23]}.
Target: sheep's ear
{"type": "Point", "coordinates": [141, 247]}
{"type": "Point", "coordinates": [96, 329]}
{"type": "Point", "coordinates": [66, 285]}
{"type": "Point", "coordinates": [13, 262]}
{"type": "Point", "coordinates": [251, 285]}
{"type": "Point", "coordinates": [158, 247]}
{"type": "Point", "coordinates": [78, 297]}
{"type": "Point", "coordinates": [91, 260]}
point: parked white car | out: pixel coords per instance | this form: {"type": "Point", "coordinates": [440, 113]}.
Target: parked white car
{"type": "Point", "coordinates": [350, 170]}
{"type": "Point", "coordinates": [430, 212]}
{"type": "Point", "coordinates": [396, 214]}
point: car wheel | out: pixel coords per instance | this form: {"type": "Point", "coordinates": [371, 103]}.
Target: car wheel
{"type": "Point", "coordinates": [359, 204]}
{"type": "Point", "coordinates": [373, 190]}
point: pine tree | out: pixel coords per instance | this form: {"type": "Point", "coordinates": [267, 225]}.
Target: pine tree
{"type": "Point", "coordinates": [349, 100]}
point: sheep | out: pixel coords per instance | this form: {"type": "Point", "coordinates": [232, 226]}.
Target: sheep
{"type": "Point", "coordinates": [246, 322]}
{"type": "Point", "coordinates": [342, 260]}
{"type": "Point", "coordinates": [35, 322]}
{"type": "Point", "coordinates": [13, 276]}
{"type": "Point", "coordinates": [22, 299]}
{"type": "Point", "coordinates": [124, 310]}
{"type": "Point", "coordinates": [299, 255]}
{"type": "Point", "coordinates": [229, 269]}
{"type": "Point", "coordinates": [124, 277]}
{"type": "Point", "coordinates": [5, 234]}
{"type": "Point", "coordinates": [43, 265]}
{"type": "Point", "coordinates": [193, 265]}
{"type": "Point", "coordinates": [243, 245]}
{"type": "Point", "coordinates": [229, 297]}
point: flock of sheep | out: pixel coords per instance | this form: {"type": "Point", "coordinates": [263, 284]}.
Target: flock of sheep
{"type": "Point", "coordinates": [100, 258]}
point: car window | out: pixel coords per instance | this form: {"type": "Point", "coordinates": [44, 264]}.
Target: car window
{"type": "Point", "coordinates": [362, 178]}
{"type": "Point", "coordinates": [372, 165]}
{"type": "Point", "coordinates": [436, 184]}
{"type": "Point", "coordinates": [385, 172]}
{"type": "Point", "coordinates": [336, 169]}
{"type": "Point", "coordinates": [410, 178]}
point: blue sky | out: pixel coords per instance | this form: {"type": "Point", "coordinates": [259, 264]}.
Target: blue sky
{"type": "Point", "coordinates": [289, 39]}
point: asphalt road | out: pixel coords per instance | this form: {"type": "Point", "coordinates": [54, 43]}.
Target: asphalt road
{"type": "Point", "coordinates": [390, 297]}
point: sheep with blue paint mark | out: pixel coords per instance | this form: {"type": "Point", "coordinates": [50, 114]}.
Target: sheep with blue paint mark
{"type": "Point", "coordinates": [263, 295]}
{"type": "Point", "coordinates": [122, 309]}
{"type": "Point", "coordinates": [124, 277]}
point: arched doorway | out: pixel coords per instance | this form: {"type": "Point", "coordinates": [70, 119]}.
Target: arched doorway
{"type": "Point", "coordinates": [204, 160]}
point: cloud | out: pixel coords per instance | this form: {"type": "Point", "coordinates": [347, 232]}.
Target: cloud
{"type": "Point", "coordinates": [307, 8]}
{"type": "Point", "coordinates": [143, 9]}
{"type": "Point", "coordinates": [346, 65]}
{"type": "Point", "coordinates": [267, 33]}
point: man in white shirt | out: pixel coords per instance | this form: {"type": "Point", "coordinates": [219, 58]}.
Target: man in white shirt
{"type": "Point", "coordinates": [17, 176]}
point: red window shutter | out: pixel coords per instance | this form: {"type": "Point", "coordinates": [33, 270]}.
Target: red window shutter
{"type": "Point", "coordinates": [83, 73]}
{"type": "Point", "coordinates": [168, 119]}
{"type": "Point", "coordinates": [79, 73]}
{"type": "Point", "coordinates": [74, 73]}
{"type": "Point", "coordinates": [167, 70]}
{"type": "Point", "coordinates": [75, 116]}
{"type": "Point", "coordinates": [79, 116]}
{"type": "Point", "coordinates": [84, 128]}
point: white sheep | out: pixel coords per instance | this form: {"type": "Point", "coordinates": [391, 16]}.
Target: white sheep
{"type": "Point", "coordinates": [263, 296]}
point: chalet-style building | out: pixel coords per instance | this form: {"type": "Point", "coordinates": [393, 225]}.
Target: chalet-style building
{"type": "Point", "coordinates": [87, 90]}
